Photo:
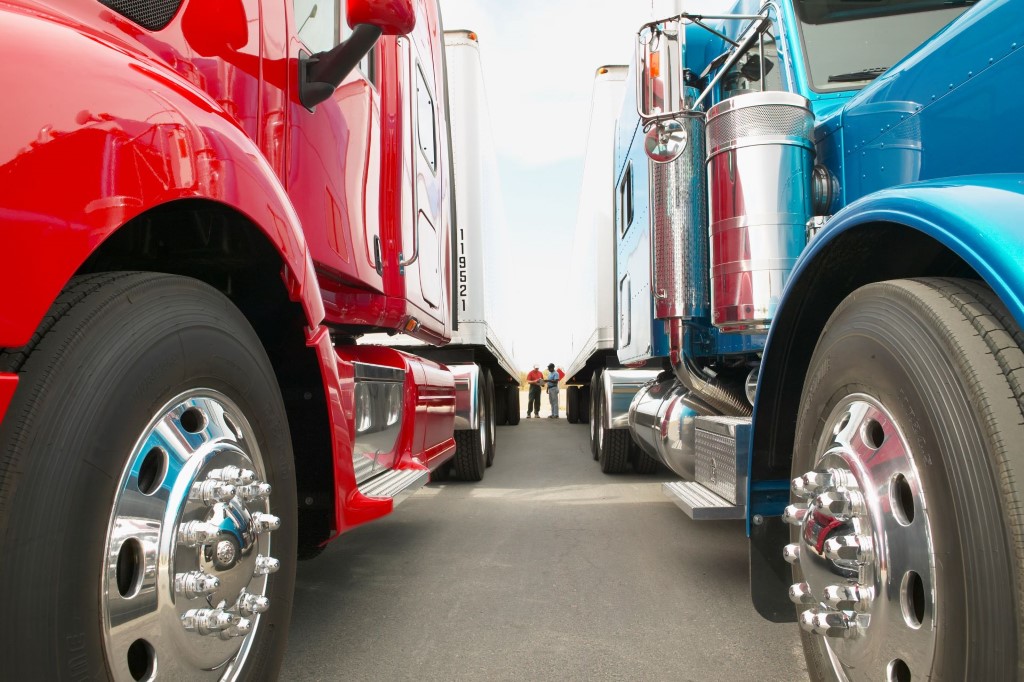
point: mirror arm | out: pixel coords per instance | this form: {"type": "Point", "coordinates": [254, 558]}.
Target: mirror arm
{"type": "Point", "coordinates": [321, 73]}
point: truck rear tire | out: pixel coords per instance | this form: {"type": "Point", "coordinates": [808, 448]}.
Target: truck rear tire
{"type": "Point", "coordinates": [595, 410]}
{"type": "Point", "coordinates": [914, 399]}
{"type": "Point", "coordinates": [471, 447]}
{"type": "Point", "coordinates": [513, 405]}
{"type": "Point", "coordinates": [612, 446]}
{"type": "Point", "coordinates": [137, 389]}
{"type": "Point", "coordinates": [641, 461]}
{"type": "Point", "coordinates": [491, 444]}
{"type": "Point", "coordinates": [572, 404]}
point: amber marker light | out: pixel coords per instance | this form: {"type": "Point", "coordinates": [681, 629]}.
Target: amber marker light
{"type": "Point", "coordinates": [602, 71]}
{"type": "Point", "coordinates": [654, 66]}
{"type": "Point", "coordinates": [472, 36]}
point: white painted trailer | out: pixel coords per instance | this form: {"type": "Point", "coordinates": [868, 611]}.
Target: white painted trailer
{"type": "Point", "coordinates": [599, 389]}
{"type": "Point", "coordinates": [481, 353]}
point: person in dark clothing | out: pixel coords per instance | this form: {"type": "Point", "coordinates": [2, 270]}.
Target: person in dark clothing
{"type": "Point", "coordinates": [534, 378]}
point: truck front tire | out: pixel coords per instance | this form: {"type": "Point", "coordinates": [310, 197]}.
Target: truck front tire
{"type": "Point", "coordinates": [908, 445]}
{"type": "Point", "coordinates": [132, 515]}
{"type": "Point", "coordinates": [474, 450]}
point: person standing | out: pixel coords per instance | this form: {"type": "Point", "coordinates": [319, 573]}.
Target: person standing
{"type": "Point", "coordinates": [552, 382]}
{"type": "Point", "coordinates": [534, 378]}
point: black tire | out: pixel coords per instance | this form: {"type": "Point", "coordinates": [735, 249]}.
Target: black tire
{"type": "Point", "coordinates": [441, 473]}
{"type": "Point", "coordinates": [641, 461]}
{"type": "Point", "coordinates": [514, 407]}
{"type": "Point", "coordinates": [491, 447]}
{"type": "Point", "coordinates": [596, 411]}
{"type": "Point", "coordinates": [944, 359]}
{"type": "Point", "coordinates": [584, 405]}
{"type": "Point", "coordinates": [612, 446]}
{"type": "Point", "coordinates": [113, 352]}
{"type": "Point", "coordinates": [572, 404]}
{"type": "Point", "coordinates": [500, 402]}
{"type": "Point", "coordinates": [471, 447]}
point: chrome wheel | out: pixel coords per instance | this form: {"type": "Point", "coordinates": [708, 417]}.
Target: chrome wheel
{"type": "Point", "coordinates": [865, 549]}
{"type": "Point", "coordinates": [188, 545]}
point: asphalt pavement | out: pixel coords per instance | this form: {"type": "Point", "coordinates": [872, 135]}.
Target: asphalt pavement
{"type": "Point", "coordinates": [545, 570]}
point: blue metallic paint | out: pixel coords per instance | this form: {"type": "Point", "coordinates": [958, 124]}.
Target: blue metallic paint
{"type": "Point", "coordinates": [927, 156]}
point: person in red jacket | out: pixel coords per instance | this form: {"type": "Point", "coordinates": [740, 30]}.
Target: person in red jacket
{"type": "Point", "coordinates": [534, 378]}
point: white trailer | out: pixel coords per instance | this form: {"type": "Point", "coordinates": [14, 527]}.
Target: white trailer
{"type": "Point", "coordinates": [599, 389]}
{"type": "Point", "coordinates": [480, 354]}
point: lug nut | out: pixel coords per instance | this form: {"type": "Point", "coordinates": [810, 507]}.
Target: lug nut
{"type": "Point", "coordinates": [848, 548]}
{"type": "Point", "coordinates": [266, 564]}
{"type": "Point", "coordinates": [254, 491]}
{"type": "Point", "coordinates": [240, 629]}
{"type": "Point", "coordinates": [265, 522]}
{"type": "Point", "coordinates": [800, 593]}
{"type": "Point", "coordinates": [208, 621]}
{"type": "Point", "coordinates": [811, 483]}
{"type": "Point", "coordinates": [233, 475]}
{"type": "Point", "coordinates": [794, 514]}
{"type": "Point", "coordinates": [791, 553]}
{"type": "Point", "coordinates": [834, 503]}
{"type": "Point", "coordinates": [251, 604]}
{"type": "Point", "coordinates": [195, 583]}
{"type": "Point", "coordinates": [197, 533]}
{"type": "Point", "coordinates": [827, 622]}
{"type": "Point", "coordinates": [849, 597]}
{"type": "Point", "coordinates": [210, 492]}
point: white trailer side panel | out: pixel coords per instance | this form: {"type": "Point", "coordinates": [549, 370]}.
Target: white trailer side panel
{"type": "Point", "coordinates": [483, 276]}
{"type": "Point", "coordinates": [592, 273]}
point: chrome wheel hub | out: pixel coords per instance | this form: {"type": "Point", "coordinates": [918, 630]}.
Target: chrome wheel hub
{"type": "Point", "coordinates": [865, 549]}
{"type": "Point", "coordinates": [188, 545]}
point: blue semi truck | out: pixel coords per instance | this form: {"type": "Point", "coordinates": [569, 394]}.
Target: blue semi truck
{"type": "Point", "coordinates": [818, 212]}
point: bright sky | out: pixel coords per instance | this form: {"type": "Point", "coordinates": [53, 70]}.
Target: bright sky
{"type": "Point", "coordinates": [539, 58]}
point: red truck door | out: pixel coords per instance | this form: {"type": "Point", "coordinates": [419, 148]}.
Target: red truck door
{"type": "Point", "coordinates": [425, 228]}
{"type": "Point", "coordinates": [334, 164]}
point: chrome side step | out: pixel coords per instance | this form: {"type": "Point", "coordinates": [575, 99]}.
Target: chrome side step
{"type": "Point", "coordinates": [700, 504]}
{"type": "Point", "coordinates": [396, 484]}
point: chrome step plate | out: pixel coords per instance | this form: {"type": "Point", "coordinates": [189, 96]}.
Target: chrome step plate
{"type": "Point", "coordinates": [396, 484]}
{"type": "Point", "coordinates": [699, 503]}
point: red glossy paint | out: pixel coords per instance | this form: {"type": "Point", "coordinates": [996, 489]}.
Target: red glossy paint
{"type": "Point", "coordinates": [393, 17]}
{"type": "Point", "coordinates": [112, 120]}
{"type": "Point", "coordinates": [106, 129]}
{"type": "Point", "coordinates": [428, 418]}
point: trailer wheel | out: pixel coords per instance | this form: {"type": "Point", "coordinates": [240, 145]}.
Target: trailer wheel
{"type": "Point", "coordinates": [147, 490]}
{"type": "Point", "coordinates": [584, 405]}
{"type": "Point", "coordinates": [514, 408]}
{"type": "Point", "coordinates": [908, 446]}
{"type": "Point", "coordinates": [500, 398]}
{"type": "Point", "coordinates": [572, 404]}
{"type": "Point", "coordinates": [595, 411]}
{"type": "Point", "coordinates": [641, 461]}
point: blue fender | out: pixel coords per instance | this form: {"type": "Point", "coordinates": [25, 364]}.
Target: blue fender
{"type": "Point", "coordinates": [969, 226]}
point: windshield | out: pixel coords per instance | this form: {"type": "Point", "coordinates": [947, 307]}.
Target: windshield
{"type": "Point", "coordinates": [848, 43]}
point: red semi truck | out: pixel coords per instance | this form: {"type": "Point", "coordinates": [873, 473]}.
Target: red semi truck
{"type": "Point", "coordinates": [203, 205]}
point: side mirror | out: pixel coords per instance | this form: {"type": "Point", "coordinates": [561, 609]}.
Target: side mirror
{"type": "Point", "coordinates": [320, 74]}
{"type": "Point", "coordinates": [392, 17]}
{"type": "Point", "coordinates": [659, 70]}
